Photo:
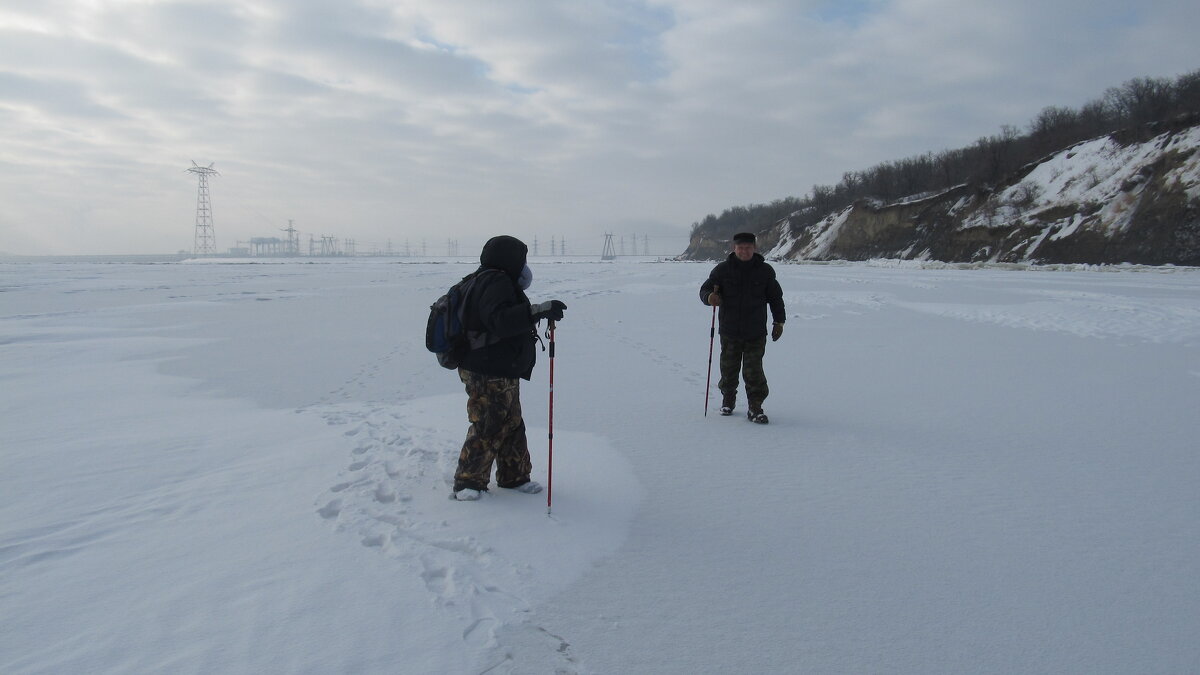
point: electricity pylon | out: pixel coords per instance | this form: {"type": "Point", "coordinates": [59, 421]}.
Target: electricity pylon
{"type": "Point", "coordinates": [608, 253]}
{"type": "Point", "coordinates": [205, 242]}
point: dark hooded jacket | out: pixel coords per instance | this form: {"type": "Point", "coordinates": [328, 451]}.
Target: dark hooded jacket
{"type": "Point", "coordinates": [746, 290]}
{"type": "Point", "coordinates": [499, 307]}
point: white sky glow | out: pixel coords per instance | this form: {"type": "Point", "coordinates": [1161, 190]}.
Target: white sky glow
{"type": "Point", "coordinates": [392, 121]}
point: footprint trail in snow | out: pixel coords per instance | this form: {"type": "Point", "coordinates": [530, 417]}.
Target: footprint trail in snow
{"type": "Point", "coordinates": [487, 562]}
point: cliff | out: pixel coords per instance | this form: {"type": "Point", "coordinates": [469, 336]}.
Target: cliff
{"type": "Point", "coordinates": [1107, 200]}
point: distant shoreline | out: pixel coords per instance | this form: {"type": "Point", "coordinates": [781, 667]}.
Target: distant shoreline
{"type": "Point", "coordinates": [127, 258]}
{"type": "Point", "coordinates": [150, 259]}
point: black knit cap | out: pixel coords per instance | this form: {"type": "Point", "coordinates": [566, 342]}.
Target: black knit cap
{"type": "Point", "coordinates": [744, 238]}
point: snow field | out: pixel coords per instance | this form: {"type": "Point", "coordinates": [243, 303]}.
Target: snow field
{"type": "Point", "coordinates": [245, 468]}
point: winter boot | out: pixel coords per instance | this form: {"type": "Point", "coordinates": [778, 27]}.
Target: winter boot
{"type": "Point", "coordinates": [529, 488]}
{"type": "Point", "coordinates": [467, 495]}
{"type": "Point", "coordinates": [728, 401]}
{"type": "Point", "coordinates": [756, 415]}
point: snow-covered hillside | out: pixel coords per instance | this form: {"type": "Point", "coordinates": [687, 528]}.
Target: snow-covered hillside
{"type": "Point", "coordinates": [1107, 200]}
{"type": "Point", "coordinates": [244, 468]}
{"type": "Point", "coordinates": [1102, 173]}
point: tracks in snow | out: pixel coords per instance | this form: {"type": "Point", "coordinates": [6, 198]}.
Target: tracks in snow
{"type": "Point", "coordinates": [391, 498]}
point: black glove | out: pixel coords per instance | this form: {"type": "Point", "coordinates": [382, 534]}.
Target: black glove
{"type": "Point", "coordinates": [714, 298]}
{"type": "Point", "coordinates": [776, 332]}
{"type": "Point", "coordinates": [551, 309]}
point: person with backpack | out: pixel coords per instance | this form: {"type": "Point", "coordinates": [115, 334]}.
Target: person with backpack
{"type": "Point", "coordinates": [497, 307]}
{"type": "Point", "coordinates": [743, 286]}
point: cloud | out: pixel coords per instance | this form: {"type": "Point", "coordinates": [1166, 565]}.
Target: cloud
{"type": "Point", "coordinates": [379, 119]}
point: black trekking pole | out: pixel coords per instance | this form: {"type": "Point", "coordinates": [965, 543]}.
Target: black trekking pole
{"type": "Point", "coordinates": [550, 440]}
{"type": "Point", "coordinates": [712, 332]}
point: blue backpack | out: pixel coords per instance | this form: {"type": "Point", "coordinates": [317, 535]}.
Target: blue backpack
{"type": "Point", "coordinates": [445, 333]}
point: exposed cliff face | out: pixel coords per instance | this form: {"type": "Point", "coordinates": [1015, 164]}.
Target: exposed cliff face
{"type": "Point", "coordinates": [1101, 201]}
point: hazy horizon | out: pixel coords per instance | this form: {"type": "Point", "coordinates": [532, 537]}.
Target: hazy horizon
{"type": "Point", "coordinates": [372, 121]}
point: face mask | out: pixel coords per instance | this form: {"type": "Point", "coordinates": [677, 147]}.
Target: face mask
{"type": "Point", "coordinates": [526, 278]}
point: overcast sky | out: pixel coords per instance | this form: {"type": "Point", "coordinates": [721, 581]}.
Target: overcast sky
{"type": "Point", "coordinates": [428, 120]}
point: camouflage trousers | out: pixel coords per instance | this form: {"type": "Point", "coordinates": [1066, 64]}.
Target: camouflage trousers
{"type": "Point", "coordinates": [745, 356]}
{"type": "Point", "coordinates": [497, 434]}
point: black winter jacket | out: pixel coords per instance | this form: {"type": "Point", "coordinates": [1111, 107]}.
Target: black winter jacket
{"type": "Point", "coordinates": [500, 308]}
{"type": "Point", "coordinates": [746, 290]}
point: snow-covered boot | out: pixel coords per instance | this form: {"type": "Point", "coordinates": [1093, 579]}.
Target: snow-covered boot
{"type": "Point", "coordinates": [756, 415]}
{"type": "Point", "coordinates": [467, 495]}
{"type": "Point", "coordinates": [530, 488]}
{"type": "Point", "coordinates": [728, 401]}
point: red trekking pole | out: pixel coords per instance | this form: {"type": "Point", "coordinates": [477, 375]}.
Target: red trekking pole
{"type": "Point", "coordinates": [712, 332]}
{"type": "Point", "coordinates": [550, 441]}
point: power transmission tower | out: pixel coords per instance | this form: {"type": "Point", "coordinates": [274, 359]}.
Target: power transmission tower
{"type": "Point", "coordinates": [205, 242]}
{"type": "Point", "coordinates": [293, 245]}
{"type": "Point", "coordinates": [609, 253]}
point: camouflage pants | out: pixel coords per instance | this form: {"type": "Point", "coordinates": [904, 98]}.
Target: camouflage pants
{"type": "Point", "coordinates": [745, 356]}
{"type": "Point", "coordinates": [497, 434]}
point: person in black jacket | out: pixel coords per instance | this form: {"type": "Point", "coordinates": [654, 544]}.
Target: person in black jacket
{"type": "Point", "coordinates": [743, 286]}
{"type": "Point", "coordinates": [492, 373]}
